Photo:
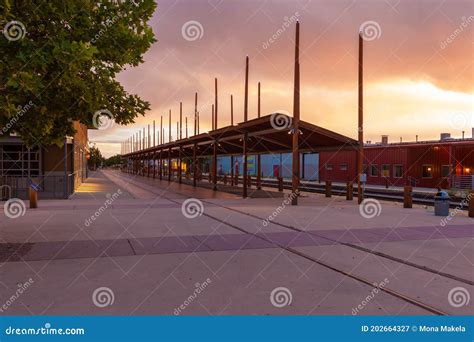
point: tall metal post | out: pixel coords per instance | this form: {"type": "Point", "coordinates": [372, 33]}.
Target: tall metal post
{"type": "Point", "coordinates": [169, 149]}
{"type": "Point", "coordinates": [296, 121]}
{"type": "Point", "coordinates": [360, 155]}
{"type": "Point", "coordinates": [259, 160]}
{"type": "Point", "coordinates": [232, 156]}
{"type": "Point", "coordinates": [245, 136]}
{"type": "Point", "coordinates": [148, 154]}
{"type": "Point", "coordinates": [214, 165]}
{"type": "Point", "coordinates": [195, 112]}
{"type": "Point", "coordinates": [213, 119]}
{"type": "Point", "coordinates": [215, 103]}
{"type": "Point", "coordinates": [194, 165]}
{"type": "Point", "coordinates": [180, 120]}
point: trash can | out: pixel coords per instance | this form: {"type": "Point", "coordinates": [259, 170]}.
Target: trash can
{"type": "Point", "coordinates": [441, 203]}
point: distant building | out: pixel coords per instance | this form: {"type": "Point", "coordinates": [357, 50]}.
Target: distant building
{"type": "Point", "coordinates": [445, 163]}
{"type": "Point", "coordinates": [57, 170]}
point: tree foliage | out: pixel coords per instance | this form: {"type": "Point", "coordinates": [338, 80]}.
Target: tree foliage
{"type": "Point", "coordinates": [95, 158]}
{"type": "Point", "coordinates": [63, 66]}
{"type": "Point", "coordinates": [114, 160]}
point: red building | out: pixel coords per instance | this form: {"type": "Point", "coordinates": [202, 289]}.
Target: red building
{"type": "Point", "coordinates": [445, 163]}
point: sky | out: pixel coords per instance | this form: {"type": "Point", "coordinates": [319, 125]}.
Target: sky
{"type": "Point", "coordinates": [418, 65]}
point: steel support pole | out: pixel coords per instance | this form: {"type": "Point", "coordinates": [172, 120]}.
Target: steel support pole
{"type": "Point", "coordinates": [214, 166]}
{"type": "Point", "coordinates": [180, 169]}
{"type": "Point", "coordinates": [215, 103]}
{"type": "Point", "coordinates": [232, 124]}
{"type": "Point", "coordinates": [245, 136]}
{"type": "Point", "coordinates": [194, 165]}
{"type": "Point", "coordinates": [169, 164]}
{"type": "Point", "coordinates": [195, 112]}
{"type": "Point", "coordinates": [360, 155]}
{"type": "Point", "coordinates": [244, 176]}
{"type": "Point", "coordinates": [296, 120]}
{"type": "Point", "coordinates": [160, 165]}
{"type": "Point", "coordinates": [259, 160]}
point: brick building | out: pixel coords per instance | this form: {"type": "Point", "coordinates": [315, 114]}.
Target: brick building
{"type": "Point", "coordinates": [57, 170]}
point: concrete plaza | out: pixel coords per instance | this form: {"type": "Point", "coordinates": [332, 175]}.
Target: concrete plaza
{"type": "Point", "coordinates": [132, 245]}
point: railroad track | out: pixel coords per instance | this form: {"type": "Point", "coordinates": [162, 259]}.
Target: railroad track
{"type": "Point", "coordinates": [294, 251]}
{"type": "Point", "coordinates": [382, 194]}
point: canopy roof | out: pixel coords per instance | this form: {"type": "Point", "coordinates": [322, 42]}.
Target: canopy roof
{"type": "Point", "coordinates": [267, 134]}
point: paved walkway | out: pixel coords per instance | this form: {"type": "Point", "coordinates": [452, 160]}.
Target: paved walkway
{"type": "Point", "coordinates": [151, 253]}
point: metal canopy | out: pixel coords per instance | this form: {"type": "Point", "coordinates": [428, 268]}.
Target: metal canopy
{"type": "Point", "coordinates": [265, 134]}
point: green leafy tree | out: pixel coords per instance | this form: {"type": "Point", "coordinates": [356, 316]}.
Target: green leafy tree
{"type": "Point", "coordinates": [114, 160]}
{"type": "Point", "coordinates": [96, 159]}
{"type": "Point", "coordinates": [59, 62]}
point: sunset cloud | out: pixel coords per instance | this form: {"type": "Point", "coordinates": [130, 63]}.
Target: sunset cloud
{"type": "Point", "coordinates": [415, 80]}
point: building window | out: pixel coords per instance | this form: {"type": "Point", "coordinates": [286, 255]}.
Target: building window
{"type": "Point", "coordinates": [385, 170]}
{"type": "Point", "coordinates": [445, 171]}
{"type": "Point", "coordinates": [427, 171]}
{"type": "Point", "coordinates": [343, 167]}
{"type": "Point", "coordinates": [374, 171]}
{"type": "Point", "coordinates": [397, 171]}
{"type": "Point", "coordinates": [328, 167]}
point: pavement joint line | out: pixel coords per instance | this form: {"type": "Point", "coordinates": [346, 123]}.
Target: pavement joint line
{"type": "Point", "coordinates": [350, 275]}
{"type": "Point", "coordinates": [394, 293]}
{"type": "Point", "coordinates": [371, 251]}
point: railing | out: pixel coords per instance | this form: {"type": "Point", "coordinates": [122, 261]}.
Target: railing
{"type": "Point", "coordinates": [412, 181]}
{"type": "Point", "coordinates": [49, 186]}
{"type": "Point", "coordinates": [462, 182]}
